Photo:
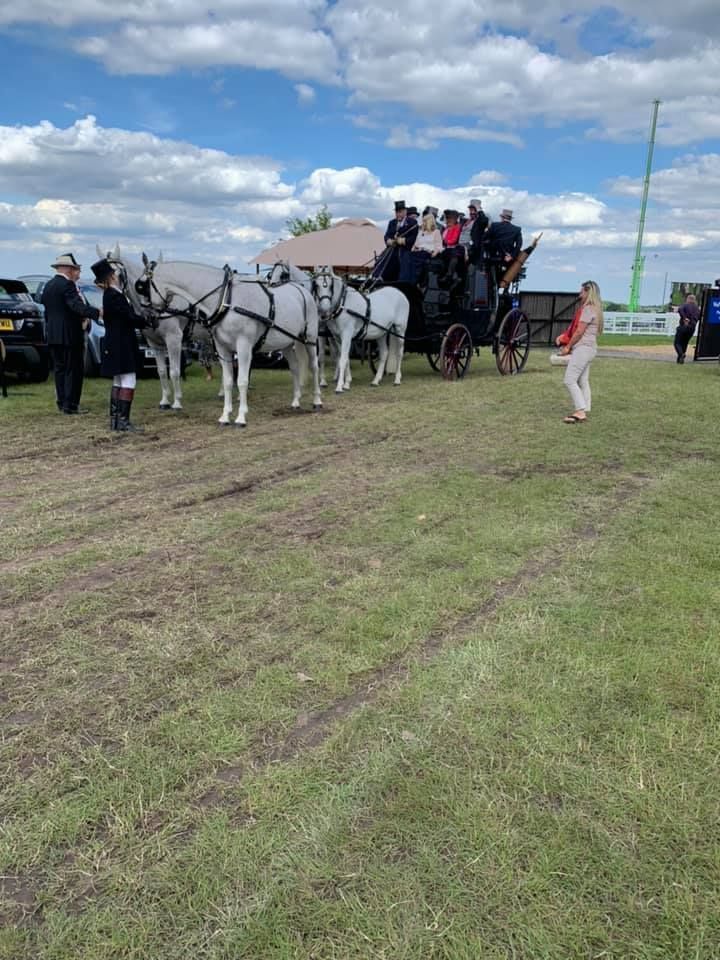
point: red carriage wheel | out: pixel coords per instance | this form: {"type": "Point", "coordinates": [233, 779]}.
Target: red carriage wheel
{"type": "Point", "coordinates": [512, 343]}
{"type": "Point", "coordinates": [455, 352]}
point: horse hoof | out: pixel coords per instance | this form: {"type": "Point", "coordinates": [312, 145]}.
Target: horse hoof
{"type": "Point", "coordinates": [224, 423]}
{"type": "Point", "coordinates": [317, 406]}
{"type": "Point", "coordinates": [165, 406]}
{"type": "Point", "coordinates": [240, 426]}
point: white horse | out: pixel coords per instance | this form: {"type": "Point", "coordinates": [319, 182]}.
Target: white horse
{"type": "Point", "coordinates": [242, 314]}
{"type": "Point", "coordinates": [164, 337]}
{"type": "Point", "coordinates": [381, 316]}
{"type": "Point", "coordinates": [285, 272]}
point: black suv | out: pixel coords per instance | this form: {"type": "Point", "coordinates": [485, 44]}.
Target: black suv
{"type": "Point", "coordinates": [22, 331]}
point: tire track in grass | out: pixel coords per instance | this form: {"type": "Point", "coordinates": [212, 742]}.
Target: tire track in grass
{"type": "Point", "coordinates": [102, 575]}
{"type": "Point", "coordinates": [314, 728]}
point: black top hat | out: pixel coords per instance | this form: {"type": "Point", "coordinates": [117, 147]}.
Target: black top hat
{"type": "Point", "coordinates": [399, 205]}
{"type": "Point", "coordinates": [102, 270]}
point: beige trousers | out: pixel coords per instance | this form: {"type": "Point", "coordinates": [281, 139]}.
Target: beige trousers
{"type": "Point", "coordinates": [577, 376]}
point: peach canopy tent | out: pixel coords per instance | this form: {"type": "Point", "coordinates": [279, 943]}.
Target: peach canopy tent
{"type": "Point", "coordinates": [349, 245]}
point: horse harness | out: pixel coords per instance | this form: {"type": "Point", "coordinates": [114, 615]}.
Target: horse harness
{"type": "Point", "coordinates": [366, 317]}
{"type": "Point", "coordinates": [146, 282]}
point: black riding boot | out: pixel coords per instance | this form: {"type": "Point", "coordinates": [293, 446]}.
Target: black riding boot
{"type": "Point", "coordinates": [114, 408]}
{"type": "Point", "coordinates": [125, 399]}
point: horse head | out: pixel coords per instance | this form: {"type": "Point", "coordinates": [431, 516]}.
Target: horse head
{"type": "Point", "coordinates": [279, 274]}
{"type": "Point", "coordinates": [327, 288]}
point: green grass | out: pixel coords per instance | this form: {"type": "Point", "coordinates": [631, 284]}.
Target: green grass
{"type": "Point", "coordinates": [635, 340]}
{"type": "Point", "coordinates": [428, 675]}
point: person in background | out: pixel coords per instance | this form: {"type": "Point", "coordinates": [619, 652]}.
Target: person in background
{"type": "Point", "coordinates": [689, 314]}
{"type": "Point", "coordinates": [67, 317]}
{"type": "Point", "coordinates": [119, 349]}
{"type": "Point", "coordinates": [453, 252]}
{"type": "Point", "coordinates": [582, 347]}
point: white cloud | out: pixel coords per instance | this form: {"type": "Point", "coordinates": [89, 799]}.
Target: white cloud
{"type": "Point", "coordinates": [88, 162]}
{"type": "Point", "coordinates": [85, 184]}
{"type": "Point", "coordinates": [503, 65]}
{"type": "Point", "coordinates": [305, 93]}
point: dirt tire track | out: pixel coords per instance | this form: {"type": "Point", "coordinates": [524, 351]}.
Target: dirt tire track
{"type": "Point", "coordinates": [314, 728]}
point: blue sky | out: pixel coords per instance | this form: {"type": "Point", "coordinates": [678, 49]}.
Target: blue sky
{"type": "Point", "coordinates": [200, 130]}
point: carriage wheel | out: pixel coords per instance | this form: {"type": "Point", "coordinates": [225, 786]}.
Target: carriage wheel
{"type": "Point", "coordinates": [455, 352]}
{"type": "Point", "coordinates": [512, 343]}
{"type": "Point", "coordinates": [433, 355]}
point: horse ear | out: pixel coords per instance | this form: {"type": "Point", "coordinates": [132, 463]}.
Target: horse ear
{"type": "Point", "coordinates": [145, 259]}
{"type": "Point", "coordinates": [160, 257]}
{"type": "Point", "coordinates": [116, 252]}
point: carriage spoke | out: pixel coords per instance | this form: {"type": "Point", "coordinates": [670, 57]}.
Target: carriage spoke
{"type": "Point", "coordinates": [513, 343]}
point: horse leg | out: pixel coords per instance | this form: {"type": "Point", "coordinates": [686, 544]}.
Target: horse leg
{"type": "Point", "coordinates": [227, 386]}
{"type": "Point", "coordinates": [244, 359]}
{"type": "Point", "coordinates": [163, 377]}
{"type": "Point", "coordinates": [399, 347]}
{"type": "Point", "coordinates": [294, 365]}
{"type": "Point", "coordinates": [174, 346]}
{"type": "Point", "coordinates": [382, 360]}
{"type": "Point", "coordinates": [315, 370]}
{"type": "Point", "coordinates": [321, 360]}
{"type": "Point", "coordinates": [344, 359]}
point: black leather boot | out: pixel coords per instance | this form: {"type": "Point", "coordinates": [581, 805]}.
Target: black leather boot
{"type": "Point", "coordinates": [125, 399]}
{"type": "Point", "coordinates": [114, 408]}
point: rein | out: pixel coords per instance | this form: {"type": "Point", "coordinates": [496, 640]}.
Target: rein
{"type": "Point", "coordinates": [366, 318]}
{"type": "Point", "coordinates": [147, 282]}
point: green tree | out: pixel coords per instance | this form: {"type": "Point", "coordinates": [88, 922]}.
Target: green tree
{"type": "Point", "coordinates": [297, 226]}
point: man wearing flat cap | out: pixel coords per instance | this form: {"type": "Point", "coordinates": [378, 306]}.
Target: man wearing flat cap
{"type": "Point", "coordinates": [67, 316]}
{"type": "Point", "coordinates": [504, 239]}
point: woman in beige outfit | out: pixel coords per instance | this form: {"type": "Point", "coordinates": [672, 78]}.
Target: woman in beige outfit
{"type": "Point", "coordinates": [582, 349]}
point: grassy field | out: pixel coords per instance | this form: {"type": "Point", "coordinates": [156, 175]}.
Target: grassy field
{"type": "Point", "coordinates": [429, 674]}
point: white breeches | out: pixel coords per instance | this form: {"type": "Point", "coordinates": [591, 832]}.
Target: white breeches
{"type": "Point", "coordinates": [125, 380]}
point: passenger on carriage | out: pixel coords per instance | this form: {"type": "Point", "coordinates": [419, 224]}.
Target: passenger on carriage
{"type": "Point", "coordinates": [427, 245]}
{"type": "Point", "coordinates": [504, 239]}
{"type": "Point", "coordinates": [453, 254]}
{"type": "Point", "coordinates": [473, 231]}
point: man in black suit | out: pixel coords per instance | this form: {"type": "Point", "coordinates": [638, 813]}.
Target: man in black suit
{"type": "Point", "coordinates": [400, 236]}
{"type": "Point", "coordinates": [67, 316]}
{"type": "Point", "coordinates": [504, 239]}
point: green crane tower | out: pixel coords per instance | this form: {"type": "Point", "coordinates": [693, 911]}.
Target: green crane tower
{"type": "Point", "coordinates": [638, 267]}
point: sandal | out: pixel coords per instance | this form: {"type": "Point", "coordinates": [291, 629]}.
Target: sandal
{"type": "Point", "coordinates": [573, 419]}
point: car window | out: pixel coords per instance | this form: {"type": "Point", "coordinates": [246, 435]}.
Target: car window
{"type": "Point", "coordinates": [34, 284]}
{"type": "Point", "coordinates": [14, 295]}
{"type": "Point", "coordinates": [92, 294]}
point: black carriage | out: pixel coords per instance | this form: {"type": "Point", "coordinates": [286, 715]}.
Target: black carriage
{"type": "Point", "coordinates": [451, 317]}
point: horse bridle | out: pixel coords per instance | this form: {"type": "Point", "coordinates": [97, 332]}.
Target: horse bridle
{"type": "Point", "coordinates": [332, 312]}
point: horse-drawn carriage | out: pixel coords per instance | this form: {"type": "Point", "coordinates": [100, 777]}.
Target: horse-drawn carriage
{"type": "Point", "coordinates": [451, 318]}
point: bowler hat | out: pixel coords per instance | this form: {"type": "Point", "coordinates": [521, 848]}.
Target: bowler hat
{"type": "Point", "coordinates": [102, 270]}
{"type": "Point", "coordinates": [451, 213]}
{"type": "Point", "coordinates": [412, 211]}
{"type": "Point", "coordinates": [506, 214]}
{"type": "Point", "coordinates": [66, 260]}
